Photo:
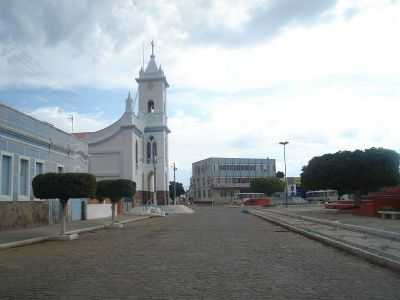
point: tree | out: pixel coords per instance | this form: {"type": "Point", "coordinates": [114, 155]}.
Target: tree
{"type": "Point", "coordinates": [266, 185]}
{"type": "Point", "coordinates": [64, 186]}
{"type": "Point", "coordinates": [115, 190]}
{"type": "Point", "coordinates": [179, 189]}
{"type": "Point", "coordinates": [280, 174]}
{"type": "Point", "coordinates": [352, 172]}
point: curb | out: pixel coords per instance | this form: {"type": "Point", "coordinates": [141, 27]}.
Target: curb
{"type": "Point", "coordinates": [86, 229]}
{"type": "Point", "coordinates": [369, 256]}
{"type": "Point", "coordinates": [135, 219]}
{"type": "Point", "coordinates": [41, 239]}
{"type": "Point", "coordinates": [25, 242]}
{"type": "Point", "coordinates": [363, 229]}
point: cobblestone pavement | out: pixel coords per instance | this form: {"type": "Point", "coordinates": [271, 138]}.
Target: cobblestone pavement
{"type": "Point", "coordinates": [216, 253]}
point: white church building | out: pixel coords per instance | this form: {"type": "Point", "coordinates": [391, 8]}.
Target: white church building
{"type": "Point", "coordinates": [136, 146]}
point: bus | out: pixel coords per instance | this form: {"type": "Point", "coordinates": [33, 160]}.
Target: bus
{"type": "Point", "coordinates": [322, 196]}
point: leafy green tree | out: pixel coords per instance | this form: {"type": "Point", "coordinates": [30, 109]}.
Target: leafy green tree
{"type": "Point", "coordinates": [64, 186]}
{"type": "Point", "coordinates": [352, 172]}
{"type": "Point", "coordinates": [179, 189]}
{"type": "Point", "coordinates": [115, 190]}
{"type": "Point", "coordinates": [280, 174]}
{"type": "Point", "coordinates": [266, 185]}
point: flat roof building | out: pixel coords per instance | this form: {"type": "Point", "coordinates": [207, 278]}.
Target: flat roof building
{"type": "Point", "coordinates": [220, 179]}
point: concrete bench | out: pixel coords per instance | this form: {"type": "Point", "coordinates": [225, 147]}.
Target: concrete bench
{"type": "Point", "coordinates": [389, 214]}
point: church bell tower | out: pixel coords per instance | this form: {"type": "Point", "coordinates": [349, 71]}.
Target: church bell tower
{"type": "Point", "coordinates": [152, 112]}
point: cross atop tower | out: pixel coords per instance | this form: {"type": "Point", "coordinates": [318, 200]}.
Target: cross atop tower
{"type": "Point", "coordinates": [152, 48]}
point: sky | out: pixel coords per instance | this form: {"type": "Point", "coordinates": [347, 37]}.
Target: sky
{"type": "Point", "coordinates": [244, 75]}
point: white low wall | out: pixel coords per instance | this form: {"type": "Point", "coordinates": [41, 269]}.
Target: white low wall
{"type": "Point", "coordinates": [96, 211]}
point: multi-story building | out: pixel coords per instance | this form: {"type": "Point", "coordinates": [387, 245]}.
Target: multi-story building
{"type": "Point", "coordinates": [221, 179]}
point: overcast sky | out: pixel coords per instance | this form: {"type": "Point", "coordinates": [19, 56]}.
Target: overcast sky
{"type": "Point", "coordinates": [321, 74]}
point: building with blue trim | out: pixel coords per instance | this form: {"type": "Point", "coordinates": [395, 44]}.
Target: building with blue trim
{"type": "Point", "coordinates": [29, 147]}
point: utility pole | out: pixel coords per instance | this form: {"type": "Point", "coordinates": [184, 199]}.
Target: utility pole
{"type": "Point", "coordinates": [284, 158]}
{"type": "Point", "coordinates": [155, 175]}
{"type": "Point", "coordinates": [174, 168]}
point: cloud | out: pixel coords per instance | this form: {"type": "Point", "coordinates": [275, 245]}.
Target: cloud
{"type": "Point", "coordinates": [83, 42]}
{"type": "Point", "coordinates": [222, 21]}
{"type": "Point", "coordinates": [240, 127]}
{"type": "Point", "coordinates": [244, 74]}
{"type": "Point", "coordinates": [62, 119]}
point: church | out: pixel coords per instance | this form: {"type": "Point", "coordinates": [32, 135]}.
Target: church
{"type": "Point", "coordinates": [136, 146]}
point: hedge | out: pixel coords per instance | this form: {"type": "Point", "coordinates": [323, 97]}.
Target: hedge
{"type": "Point", "coordinates": [115, 189]}
{"type": "Point", "coordinates": [64, 185]}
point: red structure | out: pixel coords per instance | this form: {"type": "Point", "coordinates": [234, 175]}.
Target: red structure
{"type": "Point", "coordinates": [340, 204]}
{"type": "Point", "coordinates": [258, 202]}
{"type": "Point", "coordinates": [389, 198]}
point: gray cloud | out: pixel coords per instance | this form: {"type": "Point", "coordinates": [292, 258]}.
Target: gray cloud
{"type": "Point", "coordinates": [81, 21]}
{"type": "Point", "coordinates": [267, 19]}
{"type": "Point", "coordinates": [37, 38]}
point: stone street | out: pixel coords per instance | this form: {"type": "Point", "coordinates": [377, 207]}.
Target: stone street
{"type": "Point", "coordinates": [216, 253]}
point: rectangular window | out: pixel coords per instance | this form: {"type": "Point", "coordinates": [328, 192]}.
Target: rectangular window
{"type": "Point", "coordinates": [23, 177]}
{"type": "Point", "coordinates": [6, 175]}
{"type": "Point", "coordinates": [60, 169]}
{"type": "Point", "coordinates": [38, 168]}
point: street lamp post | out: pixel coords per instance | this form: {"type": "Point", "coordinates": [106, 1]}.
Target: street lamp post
{"type": "Point", "coordinates": [284, 158]}
{"type": "Point", "coordinates": [155, 186]}
{"type": "Point", "coordinates": [174, 168]}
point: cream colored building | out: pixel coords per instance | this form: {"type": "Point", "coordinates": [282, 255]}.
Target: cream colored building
{"type": "Point", "coordinates": [219, 180]}
{"type": "Point", "coordinates": [136, 146]}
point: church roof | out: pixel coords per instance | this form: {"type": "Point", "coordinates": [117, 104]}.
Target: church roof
{"type": "Point", "coordinates": [152, 72]}
{"type": "Point", "coordinates": [152, 65]}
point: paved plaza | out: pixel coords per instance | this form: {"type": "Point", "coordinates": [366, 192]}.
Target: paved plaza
{"type": "Point", "coordinates": [216, 253]}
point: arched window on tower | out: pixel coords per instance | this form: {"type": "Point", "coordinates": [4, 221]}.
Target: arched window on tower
{"type": "Point", "coordinates": [154, 149]}
{"type": "Point", "coordinates": [150, 106]}
{"type": "Point", "coordinates": [148, 152]}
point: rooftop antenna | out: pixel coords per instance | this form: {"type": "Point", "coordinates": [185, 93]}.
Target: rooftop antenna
{"type": "Point", "coordinates": [142, 55]}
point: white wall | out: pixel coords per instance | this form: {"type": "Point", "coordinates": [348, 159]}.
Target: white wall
{"type": "Point", "coordinates": [96, 211]}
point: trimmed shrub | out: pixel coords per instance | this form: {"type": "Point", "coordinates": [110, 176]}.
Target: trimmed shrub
{"type": "Point", "coordinates": [64, 185]}
{"type": "Point", "coordinates": [115, 189]}
{"type": "Point", "coordinates": [45, 186]}
{"type": "Point", "coordinates": [76, 185]}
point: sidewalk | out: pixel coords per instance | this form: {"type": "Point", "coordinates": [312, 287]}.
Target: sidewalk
{"type": "Point", "coordinates": [365, 237]}
{"type": "Point", "coordinates": [343, 216]}
{"type": "Point", "coordinates": [26, 236]}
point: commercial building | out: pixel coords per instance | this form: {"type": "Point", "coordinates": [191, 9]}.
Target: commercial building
{"type": "Point", "coordinates": [221, 179]}
{"type": "Point", "coordinates": [29, 147]}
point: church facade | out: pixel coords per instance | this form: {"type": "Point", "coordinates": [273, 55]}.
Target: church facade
{"type": "Point", "coordinates": [136, 146]}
